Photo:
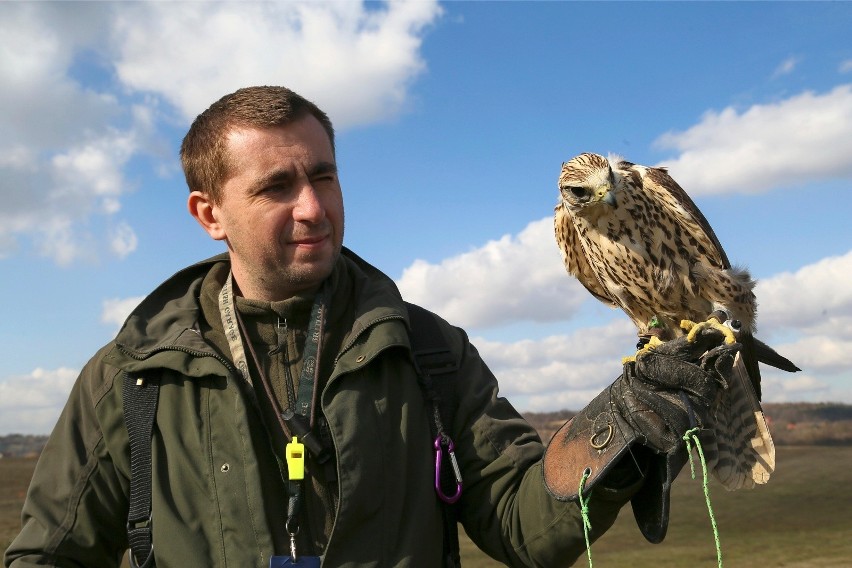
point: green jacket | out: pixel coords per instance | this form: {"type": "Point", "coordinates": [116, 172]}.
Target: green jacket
{"type": "Point", "coordinates": [208, 506]}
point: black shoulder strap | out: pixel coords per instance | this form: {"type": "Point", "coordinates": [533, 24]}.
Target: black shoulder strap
{"type": "Point", "coordinates": [437, 369]}
{"type": "Point", "coordinates": [140, 411]}
{"type": "Point", "coordinates": [434, 361]}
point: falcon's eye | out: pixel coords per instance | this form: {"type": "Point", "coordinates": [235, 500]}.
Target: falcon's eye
{"type": "Point", "coordinates": [578, 192]}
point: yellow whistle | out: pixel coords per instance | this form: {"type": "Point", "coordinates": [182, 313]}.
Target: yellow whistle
{"type": "Point", "coordinates": [295, 460]}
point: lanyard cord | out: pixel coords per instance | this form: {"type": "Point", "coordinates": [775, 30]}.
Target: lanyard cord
{"type": "Point", "coordinates": [309, 377]}
{"type": "Point", "coordinates": [232, 329]}
{"type": "Point", "coordinates": [308, 381]}
{"type": "Point", "coordinates": [265, 381]}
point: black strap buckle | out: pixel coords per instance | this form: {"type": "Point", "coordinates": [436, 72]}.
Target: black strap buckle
{"type": "Point", "coordinates": [140, 530]}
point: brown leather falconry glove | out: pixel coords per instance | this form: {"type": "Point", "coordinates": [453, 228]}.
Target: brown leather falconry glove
{"type": "Point", "coordinates": [634, 428]}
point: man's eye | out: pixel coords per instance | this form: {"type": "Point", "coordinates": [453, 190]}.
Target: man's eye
{"type": "Point", "coordinates": [324, 179]}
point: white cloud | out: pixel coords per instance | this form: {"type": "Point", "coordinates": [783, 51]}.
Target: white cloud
{"type": "Point", "coordinates": [94, 167]}
{"type": "Point", "coordinates": [47, 200]}
{"type": "Point", "coordinates": [783, 387]}
{"type": "Point", "coordinates": [763, 146]}
{"type": "Point", "coordinates": [41, 105]}
{"type": "Point", "coordinates": [573, 366]}
{"type": "Point", "coordinates": [787, 66]}
{"type": "Point", "coordinates": [802, 383]}
{"type": "Point", "coordinates": [56, 240]}
{"type": "Point", "coordinates": [845, 66]}
{"type": "Point", "coordinates": [116, 310]}
{"type": "Point", "coordinates": [66, 145]}
{"type": "Point", "coordinates": [817, 298]}
{"type": "Point", "coordinates": [514, 278]}
{"type": "Point", "coordinates": [819, 353]}
{"type": "Point", "coordinates": [355, 61]}
{"type": "Point", "coordinates": [30, 404]}
{"type": "Point", "coordinates": [812, 308]}
{"type": "Point", "coordinates": [123, 240]}
{"type": "Point", "coordinates": [18, 156]}
{"type": "Point", "coordinates": [61, 156]}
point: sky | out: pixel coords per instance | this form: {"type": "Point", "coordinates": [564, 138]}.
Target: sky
{"type": "Point", "coordinates": [453, 120]}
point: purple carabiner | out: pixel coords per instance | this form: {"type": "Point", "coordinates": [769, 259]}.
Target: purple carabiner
{"type": "Point", "coordinates": [450, 499]}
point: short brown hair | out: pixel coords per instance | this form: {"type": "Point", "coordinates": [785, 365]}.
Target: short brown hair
{"type": "Point", "coordinates": [202, 154]}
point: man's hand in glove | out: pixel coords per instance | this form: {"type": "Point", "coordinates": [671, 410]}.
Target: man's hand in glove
{"type": "Point", "coordinates": [661, 395]}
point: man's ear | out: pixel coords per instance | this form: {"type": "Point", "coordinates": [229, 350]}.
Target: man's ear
{"type": "Point", "coordinates": [206, 213]}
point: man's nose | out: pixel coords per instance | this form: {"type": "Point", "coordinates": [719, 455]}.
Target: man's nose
{"type": "Point", "coordinates": [308, 205]}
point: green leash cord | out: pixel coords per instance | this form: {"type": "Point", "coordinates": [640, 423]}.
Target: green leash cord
{"type": "Point", "coordinates": [584, 511]}
{"type": "Point", "coordinates": [688, 437]}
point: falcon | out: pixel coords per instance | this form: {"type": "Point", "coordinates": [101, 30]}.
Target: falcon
{"type": "Point", "coordinates": [633, 237]}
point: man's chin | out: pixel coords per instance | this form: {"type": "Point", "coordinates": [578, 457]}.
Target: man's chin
{"type": "Point", "coordinates": [310, 274]}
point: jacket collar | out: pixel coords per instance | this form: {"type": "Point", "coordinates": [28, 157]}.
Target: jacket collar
{"type": "Point", "coordinates": [165, 328]}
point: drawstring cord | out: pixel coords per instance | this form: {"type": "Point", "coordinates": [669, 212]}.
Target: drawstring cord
{"type": "Point", "coordinates": [584, 511]}
{"type": "Point", "coordinates": [692, 436]}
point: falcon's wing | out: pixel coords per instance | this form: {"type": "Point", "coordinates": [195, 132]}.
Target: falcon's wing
{"type": "Point", "coordinates": [684, 209]}
{"type": "Point", "coordinates": [694, 224]}
{"type": "Point", "coordinates": [574, 256]}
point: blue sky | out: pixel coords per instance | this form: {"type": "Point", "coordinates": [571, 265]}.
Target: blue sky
{"type": "Point", "coordinates": [453, 120]}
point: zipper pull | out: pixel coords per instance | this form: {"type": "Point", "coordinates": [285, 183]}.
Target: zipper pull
{"type": "Point", "coordinates": [281, 333]}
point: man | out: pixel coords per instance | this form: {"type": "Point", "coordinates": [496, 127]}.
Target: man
{"type": "Point", "coordinates": [289, 334]}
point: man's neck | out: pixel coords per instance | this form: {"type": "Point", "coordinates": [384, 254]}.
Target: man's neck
{"type": "Point", "coordinates": [246, 290]}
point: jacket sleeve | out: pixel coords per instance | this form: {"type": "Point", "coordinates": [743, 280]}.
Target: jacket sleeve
{"type": "Point", "coordinates": [76, 507]}
{"type": "Point", "coordinates": [505, 507]}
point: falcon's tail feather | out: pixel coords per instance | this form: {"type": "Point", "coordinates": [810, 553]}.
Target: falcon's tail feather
{"type": "Point", "coordinates": [766, 354]}
{"type": "Point", "coordinates": [739, 449]}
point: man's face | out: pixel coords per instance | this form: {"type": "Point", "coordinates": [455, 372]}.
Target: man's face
{"type": "Point", "coordinates": [281, 210]}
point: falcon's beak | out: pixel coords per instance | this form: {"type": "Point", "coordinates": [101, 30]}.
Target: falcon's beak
{"type": "Point", "coordinates": [604, 195]}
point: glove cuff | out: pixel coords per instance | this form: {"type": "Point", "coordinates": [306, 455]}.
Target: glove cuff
{"type": "Point", "coordinates": [592, 441]}
{"type": "Point", "coordinates": [651, 502]}
{"type": "Point", "coordinates": [598, 440]}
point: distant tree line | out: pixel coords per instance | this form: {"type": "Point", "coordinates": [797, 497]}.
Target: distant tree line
{"type": "Point", "coordinates": [19, 445]}
{"type": "Point", "coordinates": [791, 424]}
{"type": "Point", "coordinates": [810, 424]}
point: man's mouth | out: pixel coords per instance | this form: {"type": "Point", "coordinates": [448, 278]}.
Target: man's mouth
{"type": "Point", "coordinates": [307, 241]}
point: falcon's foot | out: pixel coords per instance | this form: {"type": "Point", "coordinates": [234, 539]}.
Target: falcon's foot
{"type": "Point", "coordinates": [693, 329]}
{"type": "Point", "coordinates": [653, 342]}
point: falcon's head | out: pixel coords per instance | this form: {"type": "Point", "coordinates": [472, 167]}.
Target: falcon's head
{"type": "Point", "coordinates": [587, 185]}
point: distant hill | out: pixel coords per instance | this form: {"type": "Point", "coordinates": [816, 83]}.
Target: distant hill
{"type": "Point", "coordinates": [791, 424]}
{"type": "Point", "coordinates": [816, 424]}
{"type": "Point", "coordinates": [21, 445]}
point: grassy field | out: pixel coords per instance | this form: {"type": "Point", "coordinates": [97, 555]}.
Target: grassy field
{"type": "Point", "coordinates": [15, 475]}
{"type": "Point", "coordinates": [801, 519]}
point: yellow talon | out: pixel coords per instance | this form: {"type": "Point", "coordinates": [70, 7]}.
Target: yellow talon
{"type": "Point", "coordinates": [711, 323]}
{"type": "Point", "coordinates": [653, 342]}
